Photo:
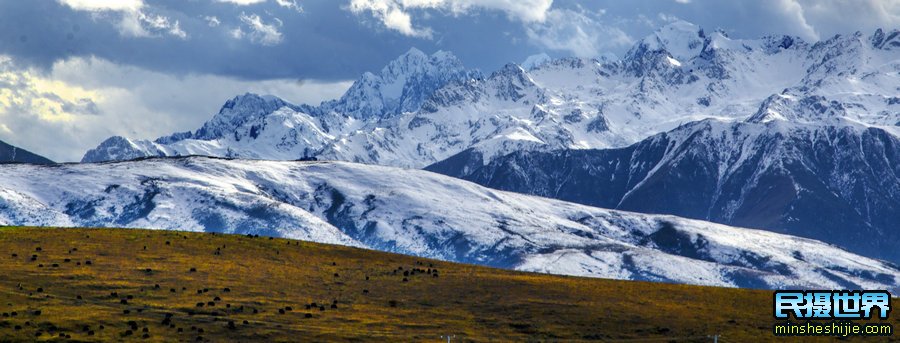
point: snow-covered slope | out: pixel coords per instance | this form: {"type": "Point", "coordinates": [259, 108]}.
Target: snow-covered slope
{"type": "Point", "coordinates": [426, 214]}
{"type": "Point", "coordinates": [839, 184]}
{"type": "Point", "coordinates": [797, 138]}
{"type": "Point", "coordinates": [421, 109]}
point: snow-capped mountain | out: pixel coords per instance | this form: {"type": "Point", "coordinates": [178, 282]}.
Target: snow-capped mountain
{"type": "Point", "coordinates": [403, 85]}
{"type": "Point", "coordinates": [426, 214]}
{"type": "Point", "coordinates": [267, 127]}
{"type": "Point", "coordinates": [776, 129]}
{"type": "Point", "coordinates": [13, 154]}
{"type": "Point", "coordinates": [838, 184]}
{"type": "Point", "coordinates": [422, 109]}
{"type": "Point", "coordinates": [818, 158]}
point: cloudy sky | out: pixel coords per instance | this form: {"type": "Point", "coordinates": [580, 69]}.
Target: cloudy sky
{"type": "Point", "coordinates": [73, 72]}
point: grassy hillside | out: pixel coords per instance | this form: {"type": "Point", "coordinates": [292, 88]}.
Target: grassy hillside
{"type": "Point", "coordinates": [164, 286]}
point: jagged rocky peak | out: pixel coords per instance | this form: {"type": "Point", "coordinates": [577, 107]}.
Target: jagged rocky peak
{"type": "Point", "coordinates": [776, 43]}
{"type": "Point", "coordinates": [511, 71]}
{"type": "Point", "coordinates": [681, 44]}
{"type": "Point", "coordinates": [563, 63]}
{"type": "Point", "coordinates": [118, 148]}
{"type": "Point", "coordinates": [666, 50]}
{"type": "Point", "coordinates": [681, 39]}
{"type": "Point", "coordinates": [886, 40]}
{"type": "Point", "coordinates": [511, 82]}
{"type": "Point", "coordinates": [415, 62]}
{"type": "Point", "coordinates": [412, 63]}
{"type": "Point", "coordinates": [175, 137]}
{"type": "Point", "coordinates": [254, 103]}
{"type": "Point", "coordinates": [836, 58]}
{"type": "Point", "coordinates": [813, 109]}
{"type": "Point", "coordinates": [401, 86]}
{"type": "Point", "coordinates": [237, 111]}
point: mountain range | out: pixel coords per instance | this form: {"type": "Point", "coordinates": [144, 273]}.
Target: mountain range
{"type": "Point", "coordinates": [775, 133]}
{"type": "Point", "coordinates": [422, 109]}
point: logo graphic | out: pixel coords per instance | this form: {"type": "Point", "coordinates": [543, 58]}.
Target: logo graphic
{"type": "Point", "coordinates": [832, 304]}
{"type": "Point", "coordinates": [840, 307]}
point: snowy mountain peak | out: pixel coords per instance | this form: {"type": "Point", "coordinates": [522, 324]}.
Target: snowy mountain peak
{"type": "Point", "coordinates": [413, 53]}
{"type": "Point", "coordinates": [412, 62]}
{"type": "Point", "coordinates": [668, 49]}
{"type": "Point", "coordinates": [681, 39]}
{"type": "Point", "coordinates": [251, 102]}
{"type": "Point", "coordinates": [443, 55]}
{"type": "Point", "coordinates": [511, 82]}
{"type": "Point", "coordinates": [804, 110]}
{"type": "Point", "coordinates": [535, 61]}
{"type": "Point", "coordinates": [118, 148]}
{"type": "Point", "coordinates": [236, 112]}
{"type": "Point", "coordinates": [401, 86]}
{"type": "Point", "coordinates": [512, 70]}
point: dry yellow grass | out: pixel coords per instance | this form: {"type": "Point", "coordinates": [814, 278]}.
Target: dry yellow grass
{"type": "Point", "coordinates": [266, 275]}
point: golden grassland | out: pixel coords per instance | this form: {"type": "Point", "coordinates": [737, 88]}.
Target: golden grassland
{"type": "Point", "coordinates": [139, 286]}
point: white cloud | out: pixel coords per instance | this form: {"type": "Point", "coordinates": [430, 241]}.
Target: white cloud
{"type": "Point", "coordinates": [141, 24]}
{"type": "Point", "coordinates": [577, 32]}
{"type": "Point", "coordinates": [212, 21]}
{"type": "Point", "coordinates": [259, 32]}
{"type": "Point", "coordinates": [810, 19]}
{"type": "Point", "coordinates": [79, 102]}
{"type": "Point", "coordinates": [291, 4]}
{"type": "Point", "coordinates": [242, 2]}
{"type": "Point", "coordinates": [236, 33]}
{"type": "Point", "coordinates": [104, 5]}
{"type": "Point", "coordinates": [826, 18]}
{"type": "Point", "coordinates": [395, 14]}
{"type": "Point", "coordinates": [792, 11]}
{"type": "Point", "coordinates": [392, 15]}
{"type": "Point", "coordinates": [134, 19]}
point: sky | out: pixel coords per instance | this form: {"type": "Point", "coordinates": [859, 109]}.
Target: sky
{"type": "Point", "coordinates": [75, 72]}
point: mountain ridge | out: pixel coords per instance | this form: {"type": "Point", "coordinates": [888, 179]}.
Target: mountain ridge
{"type": "Point", "coordinates": [420, 109]}
{"type": "Point", "coordinates": [13, 154]}
{"type": "Point", "coordinates": [384, 208]}
{"type": "Point", "coordinates": [838, 184]}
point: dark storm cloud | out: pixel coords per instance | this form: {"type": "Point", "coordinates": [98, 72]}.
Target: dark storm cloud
{"type": "Point", "coordinates": [328, 41]}
{"type": "Point", "coordinates": [323, 42]}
